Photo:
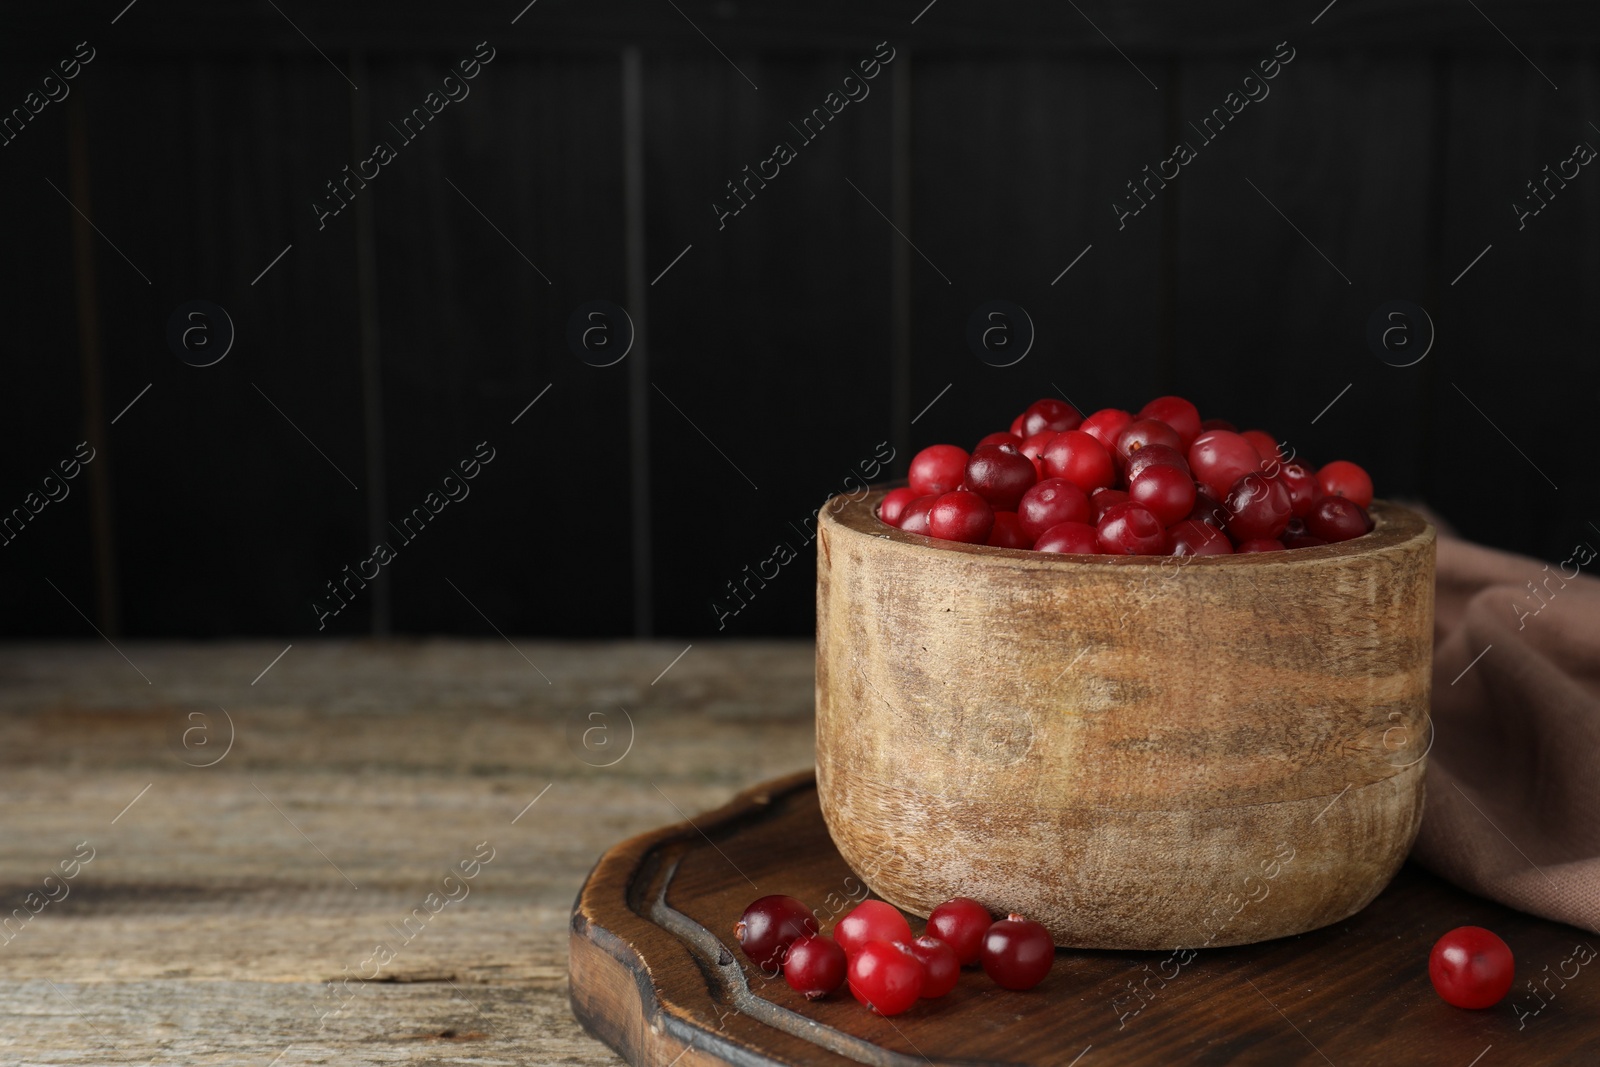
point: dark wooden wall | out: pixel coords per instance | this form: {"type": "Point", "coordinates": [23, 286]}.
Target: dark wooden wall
{"type": "Point", "coordinates": [798, 337]}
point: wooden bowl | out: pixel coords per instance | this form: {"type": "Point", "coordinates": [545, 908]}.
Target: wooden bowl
{"type": "Point", "coordinates": [1139, 752]}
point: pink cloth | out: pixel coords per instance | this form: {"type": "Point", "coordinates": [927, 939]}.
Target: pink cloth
{"type": "Point", "coordinates": [1513, 783]}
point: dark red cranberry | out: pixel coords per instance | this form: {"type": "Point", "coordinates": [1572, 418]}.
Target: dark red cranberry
{"type": "Point", "coordinates": [1177, 413]}
{"type": "Point", "coordinates": [1141, 432]}
{"type": "Point", "coordinates": [938, 469]}
{"type": "Point", "coordinates": [1218, 424]}
{"type": "Point", "coordinates": [1008, 532]}
{"type": "Point", "coordinates": [1207, 508]}
{"type": "Point", "coordinates": [1219, 458]}
{"type": "Point", "coordinates": [1001, 438]}
{"type": "Point", "coordinates": [871, 920]}
{"type": "Point", "coordinates": [1191, 537]}
{"type": "Point", "coordinates": [1154, 456]}
{"type": "Point", "coordinates": [1167, 491]}
{"type": "Point", "coordinates": [1133, 530]}
{"type": "Point", "coordinates": [1258, 507]}
{"type": "Point", "coordinates": [941, 969]}
{"type": "Point", "coordinates": [1265, 447]}
{"type": "Point", "coordinates": [1000, 475]}
{"type": "Point", "coordinates": [914, 519]}
{"type": "Point", "coordinates": [961, 923]}
{"type": "Point", "coordinates": [1080, 459]}
{"type": "Point", "coordinates": [1052, 501]}
{"type": "Point", "coordinates": [815, 966]}
{"type": "Point", "coordinates": [1302, 486]}
{"type": "Point", "coordinates": [1106, 425]}
{"type": "Point", "coordinates": [1050, 414]}
{"type": "Point", "coordinates": [1336, 518]}
{"type": "Point", "coordinates": [961, 516]}
{"type": "Point", "coordinates": [894, 504]}
{"type": "Point", "coordinates": [886, 977]}
{"type": "Point", "coordinates": [1069, 537]}
{"type": "Point", "coordinates": [769, 926]}
{"type": "Point", "coordinates": [1103, 500]}
{"type": "Point", "coordinates": [1018, 953]}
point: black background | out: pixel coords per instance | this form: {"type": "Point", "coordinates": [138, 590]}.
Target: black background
{"type": "Point", "coordinates": [798, 337]}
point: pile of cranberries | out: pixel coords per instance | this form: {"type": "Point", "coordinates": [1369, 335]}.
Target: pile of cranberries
{"type": "Point", "coordinates": [1158, 483]}
{"type": "Point", "coordinates": [887, 969]}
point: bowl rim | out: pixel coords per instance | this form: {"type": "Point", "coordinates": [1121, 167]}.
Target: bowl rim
{"type": "Point", "coordinates": [1394, 526]}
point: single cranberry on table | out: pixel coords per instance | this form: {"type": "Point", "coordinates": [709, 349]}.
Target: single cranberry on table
{"type": "Point", "coordinates": [961, 516]}
{"type": "Point", "coordinates": [1103, 500]}
{"type": "Point", "coordinates": [1052, 501]}
{"type": "Point", "coordinates": [1219, 458]}
{"type": "Point", "coordinates": [871, 920]}
{"type": "Point", "coordinates": [1167, 491]}
{"type": "Point", "coordinates": [1080, 459]}
{"type": "Point", "coordinates": [1335, 518]}
{"type": "Point", "coordinates": [894, 504]}
{"type": "Point", "coordinates": [961, 923]}
{"type": "Point", "coordinates": [1258, 507]}
{"type": "Point", "coordinates": [1154, 456]}
{"type": "Point", "coordinates": [941, 968]}
{"type": "Point", "coordinates": [1072, 538]}
{"type": "Point", "coordinates": [1106, 425]}
{"type": "Point", "coordinates": [1008, 532]}
{"type": "Point", "coordinates": [937, 469]}
{"type": "Point", "coordinates": [1050, 414]}
{"type": "Point", "coordinates": [1302, 485]}
{"type": "Point", "coordinates": [1142, 432]}
{"type": "Point", "coordinates": [1000, 474]}
{"type": "Point", "coordinates": [1001, 438]}
{"type": "Point", "coordinates": [1191, 537]}
{"type": "Point", "coordinates": [914, 519]}
{"type": "Point", "coordinates": [769, 925]}
{"type": "Point", "coordinates": [1017, 953]}
{"type": "Point", "coordinates": [1132, 530]}
{"type": "Point", "coordinates": [1260, 544]}
{"type": "Point", "coordinates": [815, 966]}
{"type": "Point", "coordinates": [1471, 967]}
{"type": "Point", "coordinates": [886, 977]}
{"type": "Point", "coordinates": [1176, 412]}
{"type": "Point", "coordinates": [1343, 478]}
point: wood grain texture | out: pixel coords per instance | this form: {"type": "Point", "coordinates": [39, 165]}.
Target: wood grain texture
{"type": "Point", "coordinates": [1112, 745]}
{"type": "Point", "coordinates": [657, 974]}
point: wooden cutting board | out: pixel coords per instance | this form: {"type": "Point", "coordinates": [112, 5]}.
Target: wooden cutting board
{"type": "Point", "coordinates": [657, 975]}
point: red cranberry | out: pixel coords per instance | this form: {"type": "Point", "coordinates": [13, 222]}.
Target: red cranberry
{"type": "Point", "coordinates": [894, 504]}
{"type": "Point", "coordinates": [961, 516]}
{"type": "Point", "coordinates": [1133, 530]}
{"type": "Point", "coordinates": [1034, 445]}
{"type": "Point", "coordinates": [1018, 953]}
{"type": "Point", "coordinates": [1191, 537]}
{"type": "Point", "coordinates": [1070, 537]}
{"type": "Point", "coordinates": [1302, 486]}
{"type": "Point", "coordinates": [961, 923]}
{"type": "Point", "coordinates": [1103, 500]}
{"type": "Point", "coordinates": [941, 969]}
{"type": "Point", "coordinates": [871, 920]}
{"type": "Point", "coordinates": [1471, 967]}
{"type": "Point", "coordinates": [1080, 459]}
{"type": "Point", "coordinates": [769, 926]}
{"type": "Point", "coordinates": [1218, 424]}
{"type": "Point", "coordinates": [814, 966]}
{"type": "Point", "coordinates": [1177, 413]}
{"type": "Point", "coordinates": [938, 469]}
{"type": "Point", "coordinates": [1106, 425]}
{"type": "Point", "coordinates": [1219, 458]}
{"type": "Point", "coordinates": [1052, 501]}
{"type": "Point", "coordinates": [1154, 456]}
{"type": "Point", "coordinates": [1050, 414]}
{"type": "Point", "coordinates": [886, 977]}
{"type": "Point", "coordinates": [1167, 491]}
{"type": "Point", "coordinates": [1343, 478]}
{"type": "Point", "coordinates": [1336, 518]}
{"type": "Point", "coordinates": [1016, 427]}
{"type": "Point", "coordinates": [1260, 544]}
{"type": "Point", "coordinates": [914, 519]}
{"type": "Point", "coordinates": [1258, 507]}
{"type": "Point", "coordinates": [1141, 432]}
{"type": "Point", "coordinates": [1000, 476]}
{"type": "Point", "coordinates": [999, 439]}
{"type": "Point", "coordinates": [1008, 532]}
{"type": "Point", "coordinates": [1207, 508]}
{"type": "Point", "coordinates": [1265, 447]}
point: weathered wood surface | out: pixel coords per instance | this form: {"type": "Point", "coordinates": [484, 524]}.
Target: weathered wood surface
{"type": "Point", "coordinates": [655, 971]}
{"type": "Point", "coordinates": [1113, 745]}
{"type": "Point", "coordinates": [205, 927]}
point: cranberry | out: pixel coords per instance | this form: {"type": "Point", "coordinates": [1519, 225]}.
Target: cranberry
{"type": "Point", "coordinates": [814, 966]}
{"type": "Point", "coordinates": [1105, 425]}
{"type": "Point", "coordinates": [1070, 537]}
{"type": "Point", "coordinates": [1052, 501]}
{"type": "Point", "coordinates": [1207, 508]}
{"type": "Point", "coordinates": [941, 969]}
{"type": "Point", "coordinates": [999, 439]}
{"type": "Point", "coordinates": [1258, 507]}
{"type": "Point", "coordinates": [1218, 424]}
{"type": "Point", "coordinates": [769, 925]}
{"type": "Point", "coordinates": [1050, 414]}
{"type": "Point", "coordinates": [1334, 518]}
{"type": "Point", "coordinates": [1133, 530]}
{"type": "Point", "coordinates": [1343, 478]}
{"type": "Point", "coordinates": [1154, 456]}
{"type": "Point", "coordinates": [1000, 475]}
{"type": "Point", "coordinates": [961, 516]}
{"type": "Point", "coordinates": [914, 519]}
{"type": "Point", "coordinates": [938, 469]}
{"type": "Point", "coordinates": [886, 977]}
{"type": "Point", "coordinates": [894, 504]}
{"type": "Point", "coordinates": [1167, 491]}
{"type": "Point", "coordinates": [1265, 447]}
{"type": "Point", "coordinates": [1191, 537]}
{"type": "Point", "coordinates": [1219, 458]}
{"type": "Point", "coordinates": [1176, 412]}
{"type": "Point", "coordinates": [871, 920]}
{"type": "Point", "coordinates": [1470, 967]}
{"type": "Point", "coordinates": [1017, 953]}
{"type": "Point", "coordinates": [1016, 427]}
{"type": "Point", "coordinates": [1103, 500]}
{"type": "Point", "coordinates": [1260, 544]}
{"type": "Point", "coordinates": [1034, 445]}
{"type": "Point", "coordinates": [1302, 486]}
{"type": "Point", "coordinates": [1008, 532]}
{"type": "Point", "coordinates": [961, 923]}
{"type": "Point", "coordinates": [1141, 432]}
{"type": "Point", "coordinates": [1080, 459]}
